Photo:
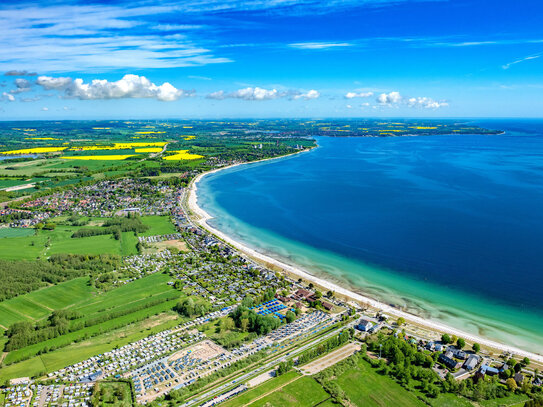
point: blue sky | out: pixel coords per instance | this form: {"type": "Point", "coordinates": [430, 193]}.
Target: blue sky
{"type": "Point", "coordinates": [277, 58]}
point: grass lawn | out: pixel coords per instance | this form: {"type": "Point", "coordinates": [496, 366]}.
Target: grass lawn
{"type": "Point", "coordinates": [158, 225]}
{"type": "Point", "coordinates": [365, 387]}
{"type": "Point", "coordinates": [303, 392]}
{"type": "Point", "coordinates": [113, 394]}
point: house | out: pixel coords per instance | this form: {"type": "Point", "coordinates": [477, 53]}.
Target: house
{"type": "Point", "coordinates": [472, 362]}
{"type": "Point", "coordinates": [364, 325]}
{"type": "Point", "coordinates": [458, 353]}
{"type": "Point", "coordinates": [447, 361]}
{"type": "Point", "coordinates": [430, 345]}
{"type": "Point", "coordinates": [487, 370]}
{"type": "Point", "coordinates": [537, 382]}
{"type": "Point", "coordinates": [327, 306]}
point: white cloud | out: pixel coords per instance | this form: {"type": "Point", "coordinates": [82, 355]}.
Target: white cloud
{"type": "Point", "coordinates": [312, 94]}
{"type": "Point", "coordinates": [130, 86]}
{"type": "Point", "coordinates": [349, 106]}
{"type": "Point", "coordinates": [395, 99]}
{"type": "Point", "coordinates": [319, 45]}
{"type": "Point", "coordinates": [48, 82]}
{"type": "Point", "coordinates": [352, 95]}
{"type": "Point", "coordinates": [178, 27]}
{"type": "Point", "coordinates": [518, 61]}
{"type": "Point", "coordinates": [21, 85]}
{"type": "Point", "coordinates": [8, 96]}
{"type": "Point", "coordinates": [45, 109]}
{"type": "Point", "coordinates": [255, 93]}
{"type": "Point", "coordinates": [426, 103]}
{"type": "Point", "coordinates": [389, 98]}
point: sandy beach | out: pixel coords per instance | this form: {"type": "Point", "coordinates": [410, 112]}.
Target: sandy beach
{"type": "Point", "coordinates": [201, 217]}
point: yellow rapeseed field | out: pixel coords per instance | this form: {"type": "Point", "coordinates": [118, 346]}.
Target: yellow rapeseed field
{"type": "Point", "coordinates": [150, 132]}
{"type": "Point", "coordinates": [121, 146]}
{"type": "Point", "coordinates": [148, 150]}
{"type": "Point", "coordinates": [190, 137]}
{"type": "Point", "coordinates": [182, 155]}
{"type": "Point", "coordinates": [99, 157]}
{"type": "Point", "coordinates": [35, 150]}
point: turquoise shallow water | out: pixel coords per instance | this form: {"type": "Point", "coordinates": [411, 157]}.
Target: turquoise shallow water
{"type": "Point", "coordinates": [449, 227]}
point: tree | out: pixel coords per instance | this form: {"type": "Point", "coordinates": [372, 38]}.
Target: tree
{"type": "Point", "coordinates": [445, 338]}
{"type": "Point", "coordinates": [290, 316]}
{"type": "Point", "coordinates": [400, 321]}
{"type": "Point", "coordinates": [525, 361]}
{"type": "Point", "coordinates": [311, 286]}
{"type": "Point", "coordinates": [330, 294]}
{"type": "Point", "coordinates": [476, 347]}
{"type": "Point", "coordinates": [511, 384]}
{"type": "Point", "coordinates": [460, 343]}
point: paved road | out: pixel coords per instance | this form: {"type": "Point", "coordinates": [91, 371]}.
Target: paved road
{"type": "Point", "coordinates": [219, 390]}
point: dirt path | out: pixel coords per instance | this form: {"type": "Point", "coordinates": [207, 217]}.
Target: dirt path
{"type": "Point", "coordinates": [330, 359]}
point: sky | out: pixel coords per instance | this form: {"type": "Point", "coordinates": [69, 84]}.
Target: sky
{"type": "Point", "coordinates": [277, 58]}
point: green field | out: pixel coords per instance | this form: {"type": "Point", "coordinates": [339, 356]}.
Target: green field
{"type": "Point", "coordinates": [158, 225]}
{"type": "Point", "coordinates": [365, 387]}
{"type": "Point", "coordinates": [135, 304]}
{"type": "Point", "coordinates": [303, 392]}
{"type": "Point", "coordinates": [47, 242]}
{"type": "Point", "coordinates": [16, 232]}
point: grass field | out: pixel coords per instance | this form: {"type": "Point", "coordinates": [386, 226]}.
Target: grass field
{"type": "Point", "coordinates": [303, 392]}
{"type": "Point", "coordinates": [512, 400]}
{"type": "Point", "coordinates": [16, 232]}
{"type": "Point", "coordinates": [135, 304]}
{"type": "Point", "coordinates": [30, 246]}
{"type": "Point", "coordinates": [158, 225]}
{"type": "Point", "coordinates": [365, 387]}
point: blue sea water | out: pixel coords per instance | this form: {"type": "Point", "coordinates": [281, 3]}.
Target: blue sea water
{"type": "Point", "coordinates": [450, 227]}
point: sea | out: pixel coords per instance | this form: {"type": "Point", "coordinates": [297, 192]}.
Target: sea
{"type": "Point", "coordinates": [446, 227]}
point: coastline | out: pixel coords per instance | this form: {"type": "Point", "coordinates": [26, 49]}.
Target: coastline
{"type": "Point", "coordinates": [200, 217]}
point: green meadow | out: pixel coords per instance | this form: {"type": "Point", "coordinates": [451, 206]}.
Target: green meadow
{"type": "Point", "coordinates": [125, 310]}
{"type": "Point", "coordinates": [47, 242]}
{"type": "Point", "coordinates": [158, 225]}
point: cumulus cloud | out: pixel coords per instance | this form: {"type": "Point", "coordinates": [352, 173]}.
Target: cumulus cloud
{"type": "Point", "coordinates": [130, 86]}
{"type": "Point", "coordinates": [352, 95]}
{"type": "Point", "coordinates": [44, 109]}
{"type": "Point", "coordinates": [395, 99]}
{"type": "Point", "coordinates": [20, 73]}
{"type": "Point", "coordinates": [311, 94]}
{"type": "Point", "coordinates": [21, 85]}
{"type": "Point", "coordinates": [389, 98]}
{"type": "Point", "coordinates": [8, 96]}
{"type": "Point", "coordinates": [248, 93]}
{"type": "Point", "coordinates": [257, 93]}
{"type": "Point", "coordinates": [426, 103]}
{"type": "Point", "coordinates": [49, 83]}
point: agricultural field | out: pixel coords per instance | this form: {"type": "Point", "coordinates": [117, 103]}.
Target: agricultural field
{"type": "Point", "coordinates": [44, 243]}
{"type": "Point", "coordinates": [134, 305]}
{"type": "Point", "coordinates": [158, 225]}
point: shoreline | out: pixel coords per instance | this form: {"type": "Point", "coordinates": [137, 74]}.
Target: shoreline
{"type": "Point", "coordinates": [202, 217]}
